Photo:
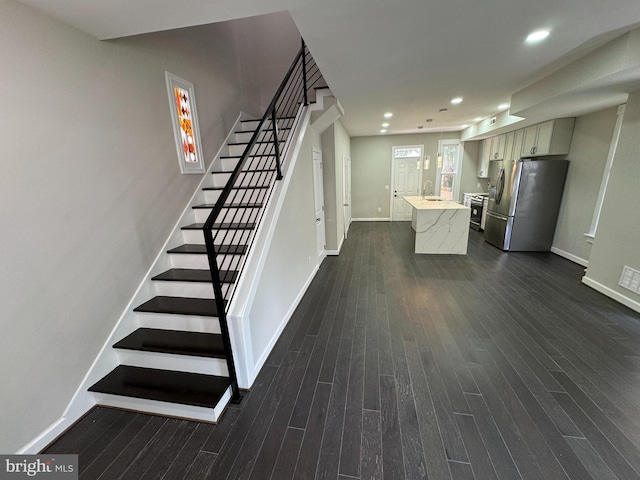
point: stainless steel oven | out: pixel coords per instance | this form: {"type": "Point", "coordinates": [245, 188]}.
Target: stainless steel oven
{"type": "Point", "coordinates": [476, 212]}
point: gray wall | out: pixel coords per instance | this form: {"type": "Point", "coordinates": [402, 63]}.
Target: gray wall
{"type": "Point", "coordinates": [90, 189]}
{"type": "Point", "coordinates": [371, 169]}
{"type": "Point", "coordinates": [589, 149]}
{"type": "Point", "coordinates": [616, 242]}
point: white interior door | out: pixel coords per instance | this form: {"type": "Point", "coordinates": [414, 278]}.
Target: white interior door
{"type": "Point", "coordinates": [318, 195]}
{"type": "Point", "coordinates": [346, 193]}
{"type": "Point", "coordinates": [406, 181]}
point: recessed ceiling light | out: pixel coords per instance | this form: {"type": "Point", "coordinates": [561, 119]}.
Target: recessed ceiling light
{"type": "Point", "coordinates": [385, 125]}
{"type": "Point", "coordinates": [503, 106]}
{"type": "Point", "coordinates": [464, 125]}
{"type": "Point", "coordinates": [537, 36]}
{"type": "Point", "coordinates": [388, 115]}
{"type": "Point", "coordinates": [383, 130]}
{"type": "Point", "coordinates": [478, 119]}
{"type": "Point", "coordinates": [456, 101]}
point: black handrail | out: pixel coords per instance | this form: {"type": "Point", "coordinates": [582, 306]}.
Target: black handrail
{"type": "Point", "coordinates": [249, 188]}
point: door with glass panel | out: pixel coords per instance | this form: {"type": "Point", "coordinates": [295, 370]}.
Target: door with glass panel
{"type": "Point", "coordinates": [448, 169]}
{"type": "Point", "coordinates": [407, 175]}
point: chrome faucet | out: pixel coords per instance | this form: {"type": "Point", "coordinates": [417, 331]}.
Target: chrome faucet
{"type": "Point", "coordinates": [424, 188]}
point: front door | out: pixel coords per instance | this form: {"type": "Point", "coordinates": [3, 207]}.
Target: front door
{"type": "Point", "coordinates": [406, 180]}
{"type": "Point", "coordinates": [318, 195]}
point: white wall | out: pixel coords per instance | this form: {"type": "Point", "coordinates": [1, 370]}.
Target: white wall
{"type": "Point", "coordinates": [291, 261]}
{"type": "Point", "coordinates": [90, 189]}
{"type": "Point", "coordinates": [588, 154]}
{"type": "Point", "coordinates": [616, 243]}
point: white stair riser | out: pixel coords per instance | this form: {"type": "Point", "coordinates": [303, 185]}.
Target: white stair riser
{"type": "Point", "coordinates": [258, 149]}
{"type": "Point", "coordinates": [237, 195]}
{"type": "Point", "coordinates": [187, 323]}
{"type": "Point", "coordinates": [229, 237]}
{"type": "Point", "coordinates": [244, 137]}
{"type": "Point", "coordinates": [243, 215]}
{"type": "Point", "coordinates": [179, 363]}
{"type": "Point", "coordinates": [166, 409]}
{"type": "Point", "coordinates": [245, 179]}
{"type": "Point", "coordinates": [200, 262]}
{"type": "Point", "coordinates": [250, 124]}
{"type": "Point", "coordinates": [183, 289]}
{"type": "Point", "coordinates": [252, 163]}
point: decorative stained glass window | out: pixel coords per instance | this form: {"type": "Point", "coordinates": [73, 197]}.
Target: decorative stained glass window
{"type": "Point", "coordinates": [185, 124]}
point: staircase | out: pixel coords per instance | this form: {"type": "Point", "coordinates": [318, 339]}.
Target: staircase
{"type": "Point", "coordinates": [178, 361]}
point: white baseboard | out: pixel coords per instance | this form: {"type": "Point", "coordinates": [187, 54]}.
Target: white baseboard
{"type": "Point", "coordinates": [82, 403]}
{"type": "Point", "coordinates": [570, 256]}
{"type": "Point", "coordinates": [617, 296]}
{"type": "Point", "coordinates": [378, 219]}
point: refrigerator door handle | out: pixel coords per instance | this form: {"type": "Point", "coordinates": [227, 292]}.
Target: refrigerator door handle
{"type": "Point", "coordinates": [495, 215]}
{"type": "Point", "coordinates": [500, 186]}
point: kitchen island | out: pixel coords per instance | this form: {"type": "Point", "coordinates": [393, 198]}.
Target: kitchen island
{"type": "Point", "coordinates": [441, 226]}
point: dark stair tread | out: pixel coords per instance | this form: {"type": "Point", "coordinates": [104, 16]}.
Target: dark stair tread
{"type": "Point", "coordinates": [194, 275]}
{"type": "Point", "coordinates": [251, 131]}
{"type": "Point", "coordinates": [230, 205]}
{"type": "Point", "coordinates": [250, 156]}
{"type": "Point", "coordinates": [175, 342]}
{"type": "Point", "coordinates": [248, 187]}
{"type": "Point", "coordinates": [194, 248]}
{"type": "Point", "coordinates": [222, 226]}
{"type": "Point", "coordinates": [258, 142]}
{"type": "Point", "coordinates": [251, 170]}
{"type": "Point", "coordinates": [164, 385]}
{"type": "Point", "coordinates": [204, 307]}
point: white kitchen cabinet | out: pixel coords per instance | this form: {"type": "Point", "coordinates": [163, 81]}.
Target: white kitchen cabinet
{"type": "Point", "coordinates": [483, 161]}
{"type": "Point", "coordinates": [497, 147]}
{"type": "Point", "coordinates": [508, 145]}
{"type": "Point", "coordinates": [548, 138]}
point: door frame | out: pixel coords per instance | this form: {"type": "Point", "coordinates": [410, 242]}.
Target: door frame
{"type": "Point", "coordinates": [346, 193]}
{"type": "Point", "coordinates": [318, 188]}
{"type": "Point", "coordinates": [393, 173]}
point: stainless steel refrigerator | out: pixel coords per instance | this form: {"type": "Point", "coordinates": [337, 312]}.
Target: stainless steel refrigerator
{"type": "Point", "coordinates": [524, 199]}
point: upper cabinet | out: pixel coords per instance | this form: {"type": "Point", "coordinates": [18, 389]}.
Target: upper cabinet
{"type": "Point", "coordinates": [483, 161]}
{"type": "Point", "coordinates": [497, 147]}
{"type": "Point", "coordinates": [548, 138]}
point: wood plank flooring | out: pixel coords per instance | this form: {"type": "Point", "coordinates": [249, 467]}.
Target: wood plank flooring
{"type": "Point", "coordinates": [487, 366]}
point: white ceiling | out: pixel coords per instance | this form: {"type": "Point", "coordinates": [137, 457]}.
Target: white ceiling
{"type": "Point", "coordinates": [410, 57]}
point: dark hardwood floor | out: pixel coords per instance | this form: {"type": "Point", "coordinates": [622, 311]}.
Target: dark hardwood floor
{"type": "Point", "coordinates": [491, 365]}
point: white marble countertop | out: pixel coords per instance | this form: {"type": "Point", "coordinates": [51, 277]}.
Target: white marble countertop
{"type": "Point", "coordinates": [428, 203]}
